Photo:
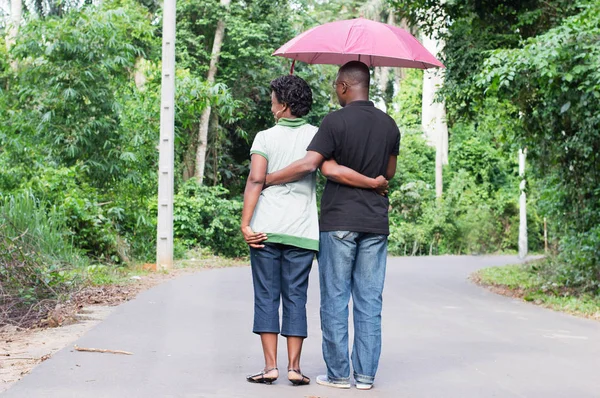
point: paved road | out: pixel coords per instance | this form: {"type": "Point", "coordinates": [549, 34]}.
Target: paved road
{"type": "Point", "coordinates": [443, 338]}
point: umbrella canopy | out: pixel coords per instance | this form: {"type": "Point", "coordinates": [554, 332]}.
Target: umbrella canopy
{"type": "Point", "coordinates": [374, 43]}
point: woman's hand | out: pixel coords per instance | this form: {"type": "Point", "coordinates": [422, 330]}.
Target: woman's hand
{"type": "Point", "coordinates": [253, 239]}
{"type": "Point", "coordinates": [381, 185]}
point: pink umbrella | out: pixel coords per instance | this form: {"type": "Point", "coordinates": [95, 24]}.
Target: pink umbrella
{"type": "Point", "coordinates": [374, 43]}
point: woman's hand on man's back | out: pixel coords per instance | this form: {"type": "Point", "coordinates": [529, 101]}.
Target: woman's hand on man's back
{"type": "Point", "coordinates": [381, 185]}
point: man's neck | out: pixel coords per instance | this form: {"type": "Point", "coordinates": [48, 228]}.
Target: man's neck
{"type": "Point", "coordinates": [358, 98]}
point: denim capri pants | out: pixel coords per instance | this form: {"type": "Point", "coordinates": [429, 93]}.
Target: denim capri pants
{"type": "Point", "coordinates": [280, 272]}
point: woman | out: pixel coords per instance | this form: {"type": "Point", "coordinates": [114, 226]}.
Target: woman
{"type": "Point", "coordinates": [286, 216]}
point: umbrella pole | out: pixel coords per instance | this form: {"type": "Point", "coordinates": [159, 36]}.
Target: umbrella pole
{"type": "Point", "coordinates": [292, 68]}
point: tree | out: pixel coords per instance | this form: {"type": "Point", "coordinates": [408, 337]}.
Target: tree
{"type": "Point", "coordinates": [205, 118]}
{"type": "Point", "coordinates": [16, 14]}
{"type": "Point", "coordinates": [554, 80]}
{"type": "Point", "coordinates": [253, 31]}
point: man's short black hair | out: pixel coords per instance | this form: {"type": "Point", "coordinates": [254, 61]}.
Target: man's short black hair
{"type": "Point", "coordinates": [356, 73]}
{"type": "Point", "coordinates": [294, 92]}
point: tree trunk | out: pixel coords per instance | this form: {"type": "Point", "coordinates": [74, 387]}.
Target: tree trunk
{"type": "Point", "coordinates": [205, 118]}
{"type": "Point", "coordinates": [16, 13]}
{"type": "Point", "coordinates": [139, 77]}
{"type": "Point", "coordinates": [214, 133]}
{"type": "Point", "coordinates": [189, 159]}
{"type": "Point", "coordinates": [382, 74]}
{"type": "Point", "coordinates": [433, 118]}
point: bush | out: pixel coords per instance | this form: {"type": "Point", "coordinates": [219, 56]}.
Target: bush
{"type": "Point", "coordinates": [554, 82]}
{"type": "Point", "coordinates": [91, 219]}
{"type": "Point", "coordinates": [36, 259]}
{"type": "Point", "coordinates": [578, 263]}
{"type": "Point", "coordinates": [204, 216]}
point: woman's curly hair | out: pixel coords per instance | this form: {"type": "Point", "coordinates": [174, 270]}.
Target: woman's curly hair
{"type": "Point", "coordinates": [294, 92]}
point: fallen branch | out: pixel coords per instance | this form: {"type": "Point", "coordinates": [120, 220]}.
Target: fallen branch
{"type": "Point", "coordinates": [102, 350]}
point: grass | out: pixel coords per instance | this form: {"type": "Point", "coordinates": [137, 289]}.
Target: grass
{"type": "Point", "coordinates": [40, 268]}
{"type": "Point", "coordinates": [523, 282]}
{"type": "Point", "coordinates": [204, 259]}
{"type": "Point", "coordinates": [99, 274]}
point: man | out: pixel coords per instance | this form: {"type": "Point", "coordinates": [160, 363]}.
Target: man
{"type": "Point", "coordinates": [354, 224]}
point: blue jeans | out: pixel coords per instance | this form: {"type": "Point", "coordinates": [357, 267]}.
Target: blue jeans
{"type": "Point", "coordinates": [280, 272]}
{"type": "Point", "coordinates": [351, 263]}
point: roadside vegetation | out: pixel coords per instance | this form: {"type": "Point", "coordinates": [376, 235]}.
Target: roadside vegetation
{"type": "Point", "coordinates": [79, 112]}
{"type": "Point", "coordinates": [531, 283]}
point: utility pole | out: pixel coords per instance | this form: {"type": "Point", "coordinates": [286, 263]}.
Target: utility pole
{"type": "Point", "coordinates": [522, 206]}
{"type": "Point", "coordinates": [164, 230]}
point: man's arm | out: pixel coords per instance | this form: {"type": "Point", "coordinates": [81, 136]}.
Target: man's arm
{"type": "Point", "coordinates": [391, 168]}
{"type": "Point", "coordinates": [347, 176]}
{"type": "Point", "coordinates": [254, 186]}
{"type": "Point", "coordinates": [297, 170]}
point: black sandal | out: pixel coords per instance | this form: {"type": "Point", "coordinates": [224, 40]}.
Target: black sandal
{"type": "Point", "coordinates": [298, 382]}
{"type": "Point", "coordinates": [261, 377]}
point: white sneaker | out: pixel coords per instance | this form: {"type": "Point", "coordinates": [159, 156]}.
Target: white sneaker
{"type": "Point", "coordinates": [324, 381]}
{"type": "Point", "coordinates": [363, 386]}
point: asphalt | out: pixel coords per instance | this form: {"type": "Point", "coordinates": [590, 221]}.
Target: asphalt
{"type": "Point", "coordinates": [443, 337]}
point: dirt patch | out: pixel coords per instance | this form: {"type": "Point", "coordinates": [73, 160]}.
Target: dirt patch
{"type": "Point", "coordinates": [23, 349]}
{"type": "Point", "coordinates": [499, 289]}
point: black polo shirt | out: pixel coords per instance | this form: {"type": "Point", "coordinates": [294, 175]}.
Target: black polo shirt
{"type": "Point", "coordinates": [362, 138]}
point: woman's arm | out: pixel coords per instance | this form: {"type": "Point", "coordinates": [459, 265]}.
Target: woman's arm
{"type": "Point", "coordinates": [254, 186]}
{"type": "Point", "coordinates": [347, 176]}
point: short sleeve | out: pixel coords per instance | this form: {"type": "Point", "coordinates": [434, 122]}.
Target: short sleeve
{"type": "Point", "coordinates": [323, 142]}
{"type": "Point", "coordinates": [396, 148]}
{"type": "Point", "coordinates": [259, 146]}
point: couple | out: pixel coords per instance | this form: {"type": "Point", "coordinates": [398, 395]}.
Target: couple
{"type": "Point", "coordinates": [356, 149]}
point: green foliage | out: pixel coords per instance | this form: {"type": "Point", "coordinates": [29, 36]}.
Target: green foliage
{"type": "Point", "coordinates": [512, 276]}
{"type": "Point", "coordinates": [84, 139]}
{"type": "Point", "coordinates": [473, 28]}
{"type": "Point", "coordinates": [522, 74]}
{"type": "Point", "coordinates": [67, 83]}
{"type": "Point", "coordinates": [204, 217]}
{"type": "Point", "coordinates": [530, 282]}
{"type": "Point", "coordinates": [254, 30]}
{"type": "Point", "coordinates": [80, 134]}
{"type": "Point", "coordinates": [416, 162]}
{"type": "Point", "coordinates": [554, 80]}
{"type": "Point", "coordinates": [478, 212]}
{"type": "Point", "coordinates": [408, 101]}
{"type": "Point", "coordinates": [37, 259]}
{"type": "Point", "coordinates": [93, 224]}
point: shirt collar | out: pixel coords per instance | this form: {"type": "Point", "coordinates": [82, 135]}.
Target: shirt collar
{"type": "Point", "coordinates": [361, 103]}
{"type": "Point", "coordinates": [297, 122]}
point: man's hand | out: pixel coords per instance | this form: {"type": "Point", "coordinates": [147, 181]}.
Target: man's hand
{"type": "Point", "coordinates": [253, 239]}
{"type": "Point", "coordinates": [381, 185]}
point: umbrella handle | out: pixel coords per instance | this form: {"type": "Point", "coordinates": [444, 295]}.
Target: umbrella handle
{"type": "Point", "coordinates": [292, 68]}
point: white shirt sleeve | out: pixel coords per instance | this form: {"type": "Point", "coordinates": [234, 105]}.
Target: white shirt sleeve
{"type": "Point", "coordinates": [259, 146]}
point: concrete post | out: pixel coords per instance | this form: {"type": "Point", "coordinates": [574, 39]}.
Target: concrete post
{"type": "Point", "coordinates": [522, 206]}
{"type": "Point", "coordinates": [164, 238]}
